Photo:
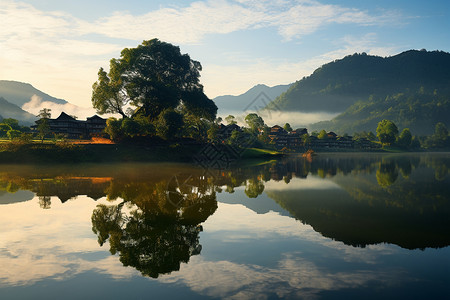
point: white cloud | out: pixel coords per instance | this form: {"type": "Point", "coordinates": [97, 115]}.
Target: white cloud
{"type": "Point", "coordinates": [51, 243]}
{"type": "Point", "coordinates": [57, 52]}
{"type": "Point", "coordinates": [293, 277]}
{"type": "Point", "coordinates": [190, 24]}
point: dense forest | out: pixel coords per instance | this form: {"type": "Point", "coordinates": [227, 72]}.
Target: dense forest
{"type": "Point", "coordinates": [409, 87]}
{"type": "Point", "coordinates": [417, 111]}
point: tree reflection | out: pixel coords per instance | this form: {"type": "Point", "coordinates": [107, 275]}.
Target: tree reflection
{"type": "Point", "coordinates": [45, 202]}
{"type": "Point", "coordinates": [161, 228]}
{"type": "Point", "coordinates": [387, 173]}
{"type": "Point", "coordinates": [254, 187]}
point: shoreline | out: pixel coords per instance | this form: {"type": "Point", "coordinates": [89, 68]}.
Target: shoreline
{"type": "Point", "coordinates": [116, 153]}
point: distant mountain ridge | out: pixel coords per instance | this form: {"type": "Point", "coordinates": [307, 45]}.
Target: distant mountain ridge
{"type": "Point", "coordinates": [411, 88]}
{"type": "Point", "coordinates": [243, 102]}
{"type": "Point", "coordinates": [19, 93]}
{"type": "Point", "coordinates": [9, 110]}
{"type": "Point", "coordinates": [336, 86]}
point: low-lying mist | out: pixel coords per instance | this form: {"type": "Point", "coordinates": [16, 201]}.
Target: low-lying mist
{"type": "Point", "coordinates": [275, 117]}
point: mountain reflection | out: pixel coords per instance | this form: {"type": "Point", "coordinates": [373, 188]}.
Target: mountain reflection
{"type": "Point", "coordinates": [155, 211]}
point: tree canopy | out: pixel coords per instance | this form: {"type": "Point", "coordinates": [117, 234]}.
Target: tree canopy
{"type": "Point", "coordinates": [387, 132]}
{"type": "Point", "coordinates": [150, 79]}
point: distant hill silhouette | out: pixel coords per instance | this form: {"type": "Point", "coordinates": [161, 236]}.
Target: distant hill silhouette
{"type": "Point", "coordinates": [336, 86]}
{"type": "Point", "coordinates": [411, 88]}
{"type": "Point", "coordinates": [243, 102]}
{"type": "Point", "coordinates": [19, 93]}
{"type": "Point", "coordinates": [10, 110]}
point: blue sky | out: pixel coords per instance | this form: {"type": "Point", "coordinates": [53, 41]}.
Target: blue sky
{"type": "Point", "coordinates": [58, 46]}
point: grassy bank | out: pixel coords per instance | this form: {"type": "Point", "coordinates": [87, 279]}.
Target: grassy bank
{"type": "Point", "coordinates": [105, 153]}
{"type": "Point", "coordinates": [102, 153]}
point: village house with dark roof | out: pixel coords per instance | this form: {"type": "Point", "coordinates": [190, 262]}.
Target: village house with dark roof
{"type": "Point", "coordinates": [73, 128]}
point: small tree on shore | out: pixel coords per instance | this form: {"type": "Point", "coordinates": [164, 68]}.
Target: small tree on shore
{"type": "Point", "coordinates": [43, 127]}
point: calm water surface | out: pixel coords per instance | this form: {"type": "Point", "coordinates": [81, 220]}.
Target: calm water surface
{"type": "Point", "coordinates": [342, 226]}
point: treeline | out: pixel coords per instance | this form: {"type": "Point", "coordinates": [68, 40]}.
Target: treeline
{"type": "Point", "coordinates": [418, 110]}
{"type": "Point", "coordinates": [11, 129]}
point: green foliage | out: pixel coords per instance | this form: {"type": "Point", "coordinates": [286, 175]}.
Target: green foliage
{"type": "Point", "coordinates": [196, 127]}
{"type": "Point", "coordinates": [441, 132]}
{"type": "Point", "coordinates": [26, 138]}
{"type": "Point", "coordinates": [12, 122]}
{"type": "Point", "coordinates": [264, 138]}
{"type": "Point", "coordinates": [364, 135]}
{"type": "Point", "coordinates": [405, 138]}
{"type": "Point", "coordinates": [169, 124]}
{"type": "Point", "coordinates": [287, 127]}
{"type": "Point", "coordinates": [114, 129]}
{"type": "Point", "coordinates": [415, 143]}
{"type": "Point", "coordinates": [152, 77]}
{"type": "Point", "coordinates": [241, 139]}
{"type": "Point", "coordinates": [306, 139]}
{"type": "Point", "coordinates": [130, 127]}
{"type": "Point", "coordinates": [254, 188]}
{"type": "Point", "coordinates": [254, 122]}
{"type": "Point", "coordinates": [13, 134]}
{"type": "Point", "coordinates": [387, 174]}
{"type": "Point", "coordinates": [387, 132]}
{"type": "Point", "coordinates": [146, 127]}
{"type": "Point", "coordinates": [45, 113]}
{"type": "Point", "coordinates": [418, 112]}
{"type": "Point", "coordinates": [43, 128]}
{"type": "Point", "coordinates": [230, 119]}
{"type": "Point", "coordinates": [212, 133]}
{"type": "Point", "coordinates": [322, 135]}
{"type": "Point", "coordinates": [4, 128]}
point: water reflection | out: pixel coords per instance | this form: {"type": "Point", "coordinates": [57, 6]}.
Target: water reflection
{"type": "Point", "coordinates": [156, 211]}
{"type": "Point", "coordinates": [155, 236]}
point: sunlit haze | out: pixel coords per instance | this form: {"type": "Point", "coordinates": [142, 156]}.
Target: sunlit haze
{"type": "Point", "coordinates": [58, 46]}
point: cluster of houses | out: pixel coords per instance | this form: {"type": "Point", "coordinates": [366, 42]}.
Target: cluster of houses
{"type": "Point", "coordinates": [294, 140]}
{"type": "Point", "coordinates": [282, 139]}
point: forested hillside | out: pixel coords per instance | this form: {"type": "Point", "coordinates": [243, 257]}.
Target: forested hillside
{"type": "Point", "coordinates": [411, 88]}
{"type": "Point", "coordinates": [336, 86]}
{"type": "Point", "coordinates": [417, 111]}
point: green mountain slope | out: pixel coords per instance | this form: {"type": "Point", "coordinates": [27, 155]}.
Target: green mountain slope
{"type": "Point", "coordinates": [20, 93]}
{"type": "Point", "coordinates": [9, 110]}
{"type": "Point", "coordinates": [417, 111]}
{"type": "Point", "coordinates": [336, 86]}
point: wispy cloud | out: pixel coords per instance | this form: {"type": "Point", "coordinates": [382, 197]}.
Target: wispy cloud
{"type": "Point", "coordinates": [61, 53]}
{"type": "Point", "coordinates": [292, 19]}
{"type": "Point", "coordinates": [36, 104]}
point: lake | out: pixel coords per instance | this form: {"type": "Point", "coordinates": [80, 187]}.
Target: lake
{"type": "Point", "coordinates": [337, 226]}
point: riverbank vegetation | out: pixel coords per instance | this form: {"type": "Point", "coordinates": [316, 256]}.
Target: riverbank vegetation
{"type": "Point", "coordinates": [166, 116]}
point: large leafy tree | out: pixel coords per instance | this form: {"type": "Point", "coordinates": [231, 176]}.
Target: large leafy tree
{"type": "Point", "coordinates": [254, 122]}
{"type": "Point", "coordinates": [387, 132]}
{"type": "Point", "coordinates": [152, 78]}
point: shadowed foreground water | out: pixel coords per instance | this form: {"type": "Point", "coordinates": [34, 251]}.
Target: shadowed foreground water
{"type": "Point", "coordinates": [338, 226]}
